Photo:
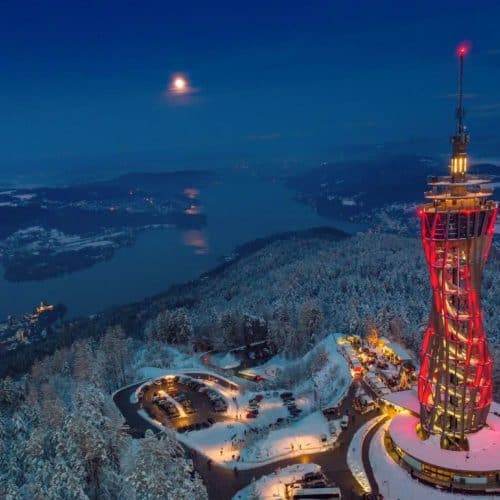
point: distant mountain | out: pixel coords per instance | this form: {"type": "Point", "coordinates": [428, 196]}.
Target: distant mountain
{"type": "Point", "coordinates": [357, 187]}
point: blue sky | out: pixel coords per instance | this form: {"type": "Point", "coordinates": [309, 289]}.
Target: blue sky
{"type": "Point", "coordinates": [83, 82]}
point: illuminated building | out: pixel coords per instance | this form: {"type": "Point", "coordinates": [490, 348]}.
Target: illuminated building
{"type": "Point", "coordinates": [455, 381]}
{"type": "Point", "coordinates": [447, 433]}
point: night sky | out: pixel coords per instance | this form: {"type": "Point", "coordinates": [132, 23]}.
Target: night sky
{"type": "Point", "coordinates": [84, 82]}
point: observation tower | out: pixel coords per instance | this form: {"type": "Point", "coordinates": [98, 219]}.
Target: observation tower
{"type": "Point", "coordinates": [457, 226]}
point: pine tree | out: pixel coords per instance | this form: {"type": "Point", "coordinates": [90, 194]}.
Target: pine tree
{"type": "Point", "coordinates": [160, 471]}
{"type": "Point", "coordinates": [9, 392]}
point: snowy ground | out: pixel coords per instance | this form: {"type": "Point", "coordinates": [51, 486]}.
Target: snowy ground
{"type": "Point", "coordinates": [396, 484]}
{"type": "Point", "coordinates": [174, 358]}
{"type": "Point", "coordinates": [251, 442]}
{"type": "Point", "coordinates": [298, 438]}
{"type": "Point", "coordinates": [327, 386]}
{"type": "Point", "coordinates": [332, 382]}
{"type": "Point", "coordinates": [270, 369]}
{"type": "Point", "coordinates": [354, 453]}
{"type": "Point", "coordinates": [225, 361]}
{"type": "Point", "coordinates": [224, 442]}
{"type": "Point", "coordinates": [273, 485]}
{"type": "Point", "coordinates": [255, 441]}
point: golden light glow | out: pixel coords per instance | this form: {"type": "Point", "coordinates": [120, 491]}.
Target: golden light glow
{"type": "Point", "coordinates": [459, 165]}
{"type": "Point", "coordinates": [180, 83]}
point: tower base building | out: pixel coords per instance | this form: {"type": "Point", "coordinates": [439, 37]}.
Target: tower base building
{"type": "Point", "coordinates": [476, 470]}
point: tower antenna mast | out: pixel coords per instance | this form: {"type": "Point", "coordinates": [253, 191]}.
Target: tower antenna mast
{"type": "Point", "coordinates": [462, 51]}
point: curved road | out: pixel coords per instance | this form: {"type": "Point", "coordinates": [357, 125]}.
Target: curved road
{"type": "Point", "coordinates": [365, 455]}
{"type": "Point", "coordinates": [222, 483]}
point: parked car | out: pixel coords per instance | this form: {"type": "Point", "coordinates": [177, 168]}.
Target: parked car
{"type": "Point", "coordinates": [344, 423]}
{"type": "Point", "coordinates": [313, 476]}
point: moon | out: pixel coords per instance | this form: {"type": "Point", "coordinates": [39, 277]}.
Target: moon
{"type": "Point", "coordinates": [180, 84]}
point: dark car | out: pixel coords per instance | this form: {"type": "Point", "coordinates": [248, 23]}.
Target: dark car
{"type": "Point", "coordinates": [317, 484]}
{"type": "Point", "coordinates": [312, 476]}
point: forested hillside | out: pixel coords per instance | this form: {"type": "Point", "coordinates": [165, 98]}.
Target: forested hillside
{"type": "Point", "coordinates": [370, 279]}
{"type": "Point", "coordinates": [60, 430]}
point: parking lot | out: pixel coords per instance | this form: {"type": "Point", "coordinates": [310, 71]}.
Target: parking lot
{"type": "Point", "coordinates": [183, 403]}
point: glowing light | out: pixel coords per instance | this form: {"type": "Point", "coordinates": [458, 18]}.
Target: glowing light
{"type": "Point", "coordinates": [180, 84]}
{"type": "Point", "coordinates": [191, 193]}
{"type": "Point", "coordinates": [463, 49]}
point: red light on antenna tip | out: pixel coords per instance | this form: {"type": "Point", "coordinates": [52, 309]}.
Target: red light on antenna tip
{"type": "Point", "coordinates": [463, 49]}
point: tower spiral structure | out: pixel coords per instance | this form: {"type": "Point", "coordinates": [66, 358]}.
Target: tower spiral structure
{"type": "Point", "coordinates": [457, 226]}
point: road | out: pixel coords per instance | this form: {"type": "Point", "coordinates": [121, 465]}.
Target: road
{"type": "Point", "coordinates": [222, 483]}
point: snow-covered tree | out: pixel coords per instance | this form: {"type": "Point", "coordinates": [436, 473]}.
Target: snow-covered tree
{"type": "Point", "coordinates": [160, 471]}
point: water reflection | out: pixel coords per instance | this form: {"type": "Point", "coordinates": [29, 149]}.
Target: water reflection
{"type": "Point", "coordinates": [192, 193]}
{"type": "Point", "coordinates": [197, 239]}
{"type": "Point", "coordinates": [194, 210]}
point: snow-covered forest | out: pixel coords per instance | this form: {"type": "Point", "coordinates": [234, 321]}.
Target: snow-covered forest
{"type": "Point", "coordinates": [60, 431]}
{"type": "Point", "coordinates": [305, 288]}
{"type": "Point", "coordinates": [61, 434]}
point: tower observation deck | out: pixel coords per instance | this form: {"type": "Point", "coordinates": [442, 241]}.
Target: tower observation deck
{"type": "Point", "coordinates": [457, 226]}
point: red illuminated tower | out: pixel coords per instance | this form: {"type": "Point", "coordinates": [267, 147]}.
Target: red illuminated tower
{"type": "Point", "coordinates": [457, 224]}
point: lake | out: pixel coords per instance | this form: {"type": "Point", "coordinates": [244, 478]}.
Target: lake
{"type": "Point", "coordinates": [238, 210]}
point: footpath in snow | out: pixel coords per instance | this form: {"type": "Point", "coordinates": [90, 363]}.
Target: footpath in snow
{"type": "Point", "coordinates": [355, 452]}
{"type": "Point", "coordinates": [225, 442]}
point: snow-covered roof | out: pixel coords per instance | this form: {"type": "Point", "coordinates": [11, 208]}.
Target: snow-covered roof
{"type": "Point", "coordinates": [483, 455]}
{"type": "Point", "coordinates": [405, 399]}
{"type": "Point", "coordinates": [399, 351]}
